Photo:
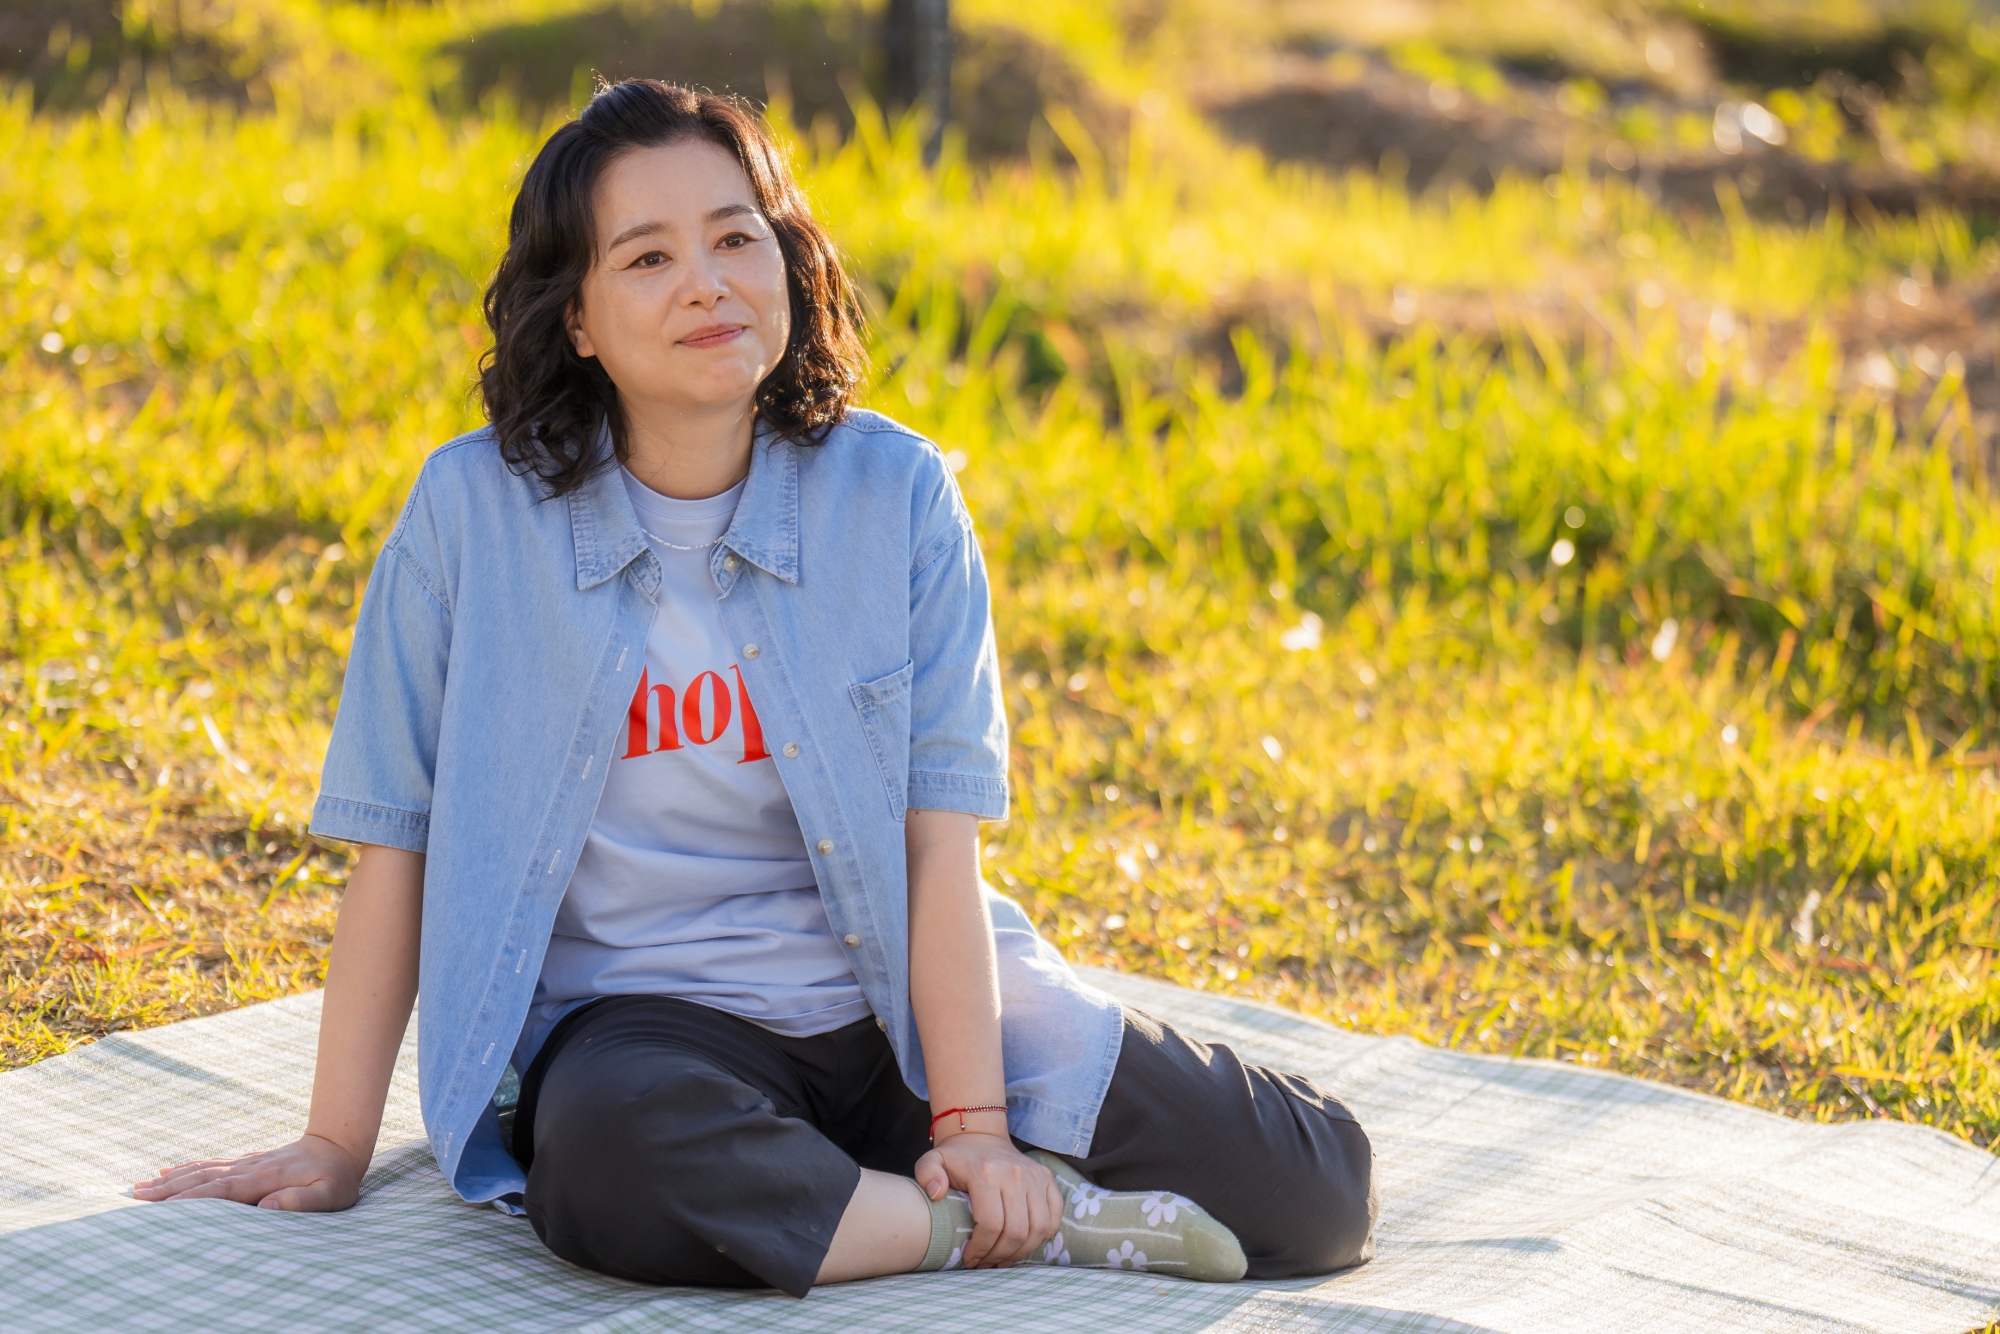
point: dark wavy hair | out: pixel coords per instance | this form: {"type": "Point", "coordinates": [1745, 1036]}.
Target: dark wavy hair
{"type": "Point", "coordinates": [546, 403]}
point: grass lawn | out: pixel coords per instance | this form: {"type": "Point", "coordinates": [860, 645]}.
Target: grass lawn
{"type": "Point", "coordinates": [1527, 620]}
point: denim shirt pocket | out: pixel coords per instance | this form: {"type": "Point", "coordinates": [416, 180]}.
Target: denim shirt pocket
{"type": "Point", "coordinates": [884, 706]}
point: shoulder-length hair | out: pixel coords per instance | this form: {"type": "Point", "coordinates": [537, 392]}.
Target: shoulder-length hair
{"type": "Point", "coordinates": [548, 404]}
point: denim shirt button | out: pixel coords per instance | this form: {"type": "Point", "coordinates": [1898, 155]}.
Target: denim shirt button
{"type": "Point", "coordinates": [852, 941]}
{"type": "Point", "coordinates": [730, 562]}
{"type": "Point", "coordinates": [750, 650]}
{"type": "Point", "coordinates": [791, 750]}
{"type": "Point", "coordinates": [825, 846]}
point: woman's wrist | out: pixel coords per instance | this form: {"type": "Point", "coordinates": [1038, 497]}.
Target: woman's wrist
{"type": "Point", "coordinates": [355, 1157]}
{"type": "Point", "coordinates": [982, 1119]}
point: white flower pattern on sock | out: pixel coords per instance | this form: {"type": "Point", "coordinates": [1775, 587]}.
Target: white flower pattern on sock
{"type": "Point", "coordinates": [1055, 1253]}
{"type": "Point", "coordinates": [1087, 1199]}
{"type": "Point", "coordinates": [1124, 1257]}
{"type": "Point", "coordinates": [1164, 1206]}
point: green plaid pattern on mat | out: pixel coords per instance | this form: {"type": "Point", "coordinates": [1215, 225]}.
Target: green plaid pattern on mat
{"type": "Point", "coordinates": [1517, 1196]}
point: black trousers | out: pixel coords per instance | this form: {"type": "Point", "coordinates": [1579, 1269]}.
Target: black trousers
{"type": "Point", "coordinates": [667, 1142]}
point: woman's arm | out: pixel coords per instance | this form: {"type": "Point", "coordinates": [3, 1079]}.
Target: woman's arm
{"type": "Point", "coordinates": [955, 993]}
{"type": "Point", "coordinates": [371, 983]}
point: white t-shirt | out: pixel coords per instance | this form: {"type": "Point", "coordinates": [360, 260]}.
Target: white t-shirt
{"type": "Point", "coordinates": [694, 880]}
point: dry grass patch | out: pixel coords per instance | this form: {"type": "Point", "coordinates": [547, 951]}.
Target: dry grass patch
{"type": "Point", "coordinates": [125, 904]}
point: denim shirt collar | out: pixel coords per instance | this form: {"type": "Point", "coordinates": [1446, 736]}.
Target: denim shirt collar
{"type": "Point", "coordinates": [765, 530]}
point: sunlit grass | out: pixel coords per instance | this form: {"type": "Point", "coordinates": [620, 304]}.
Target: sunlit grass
{"type": "Point", "coordinates": [127, 904]}
{"type": "Point", "coordinates": [1642, 865]}
{"type": "Point", "coordinates": [1624, 698]}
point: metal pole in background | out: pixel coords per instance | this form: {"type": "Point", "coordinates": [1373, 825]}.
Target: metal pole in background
{"type": "Point", "coordinates": [916, 50]}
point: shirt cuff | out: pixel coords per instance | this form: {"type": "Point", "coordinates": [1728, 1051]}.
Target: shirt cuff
{"type": "Point", "coordinates": [364, 822]}
{"type": "Point", "coordinates": [971, 794]}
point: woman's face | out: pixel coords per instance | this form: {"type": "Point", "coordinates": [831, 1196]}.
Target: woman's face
{"type": "Point", "coordinates": [686, 304]}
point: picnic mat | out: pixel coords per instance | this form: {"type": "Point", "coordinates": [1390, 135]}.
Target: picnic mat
{"type": "Point", "coordinates": [1516, 1196]}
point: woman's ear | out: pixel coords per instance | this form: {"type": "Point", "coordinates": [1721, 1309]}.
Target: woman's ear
{"type": "Point", "coordinates": [579, 338]}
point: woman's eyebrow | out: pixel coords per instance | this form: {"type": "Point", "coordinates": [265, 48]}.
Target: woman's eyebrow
{"type": "Point", "coordinates": [634, 233]}
{"type": "Point", "coordinates": [653, 228]}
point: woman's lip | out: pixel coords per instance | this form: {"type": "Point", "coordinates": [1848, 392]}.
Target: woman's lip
{"type": "Point", "coordinates": [713, 336]}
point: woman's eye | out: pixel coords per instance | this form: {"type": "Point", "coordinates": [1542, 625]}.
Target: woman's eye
{"type": "Point", "coordinates": [736, 241]}
{"type": "Point", "coordinates": [652, 259]}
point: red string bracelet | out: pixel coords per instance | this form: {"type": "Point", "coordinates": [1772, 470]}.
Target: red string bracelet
{"type": "Point", "coordinates": [959, 1112]}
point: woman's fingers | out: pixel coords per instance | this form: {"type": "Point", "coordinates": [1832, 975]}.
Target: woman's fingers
{"type": "Point", "coordinates": [1013, 1243]}
{"type": "Point", "coordinates": [184, 1171]}
{"type": "Point", "coordinates": [1039, 1206]}
{"type": "Point", "coordinates": [1044, 1213]}
{"type": "Point", "coordinates": [195, 1165]}
{"type": "Point", "coordinates": [245, 1180]}
{"type": "Point", "coordinates": [1016, 1240]}
{"type": "Point", "coordinates": [168, 1186]}
{"type": "Point", "coordinates": [932, 1179]}
{"type": "Point", "coordinates": [988, 1212]}
{"type": "Point", "coordinates": [243, 1189]}
{"type": "Point", "coordinates": [1040, 1221]}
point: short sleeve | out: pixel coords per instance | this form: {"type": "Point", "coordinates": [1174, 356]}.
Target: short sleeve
{"type": "Point", "coordinates": [382, 761]}
{"type": "Point", "coordinates": [958, 723]}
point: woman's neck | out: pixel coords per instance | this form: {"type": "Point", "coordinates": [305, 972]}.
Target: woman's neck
{"type": "Point", "coordinates": [689, 455]}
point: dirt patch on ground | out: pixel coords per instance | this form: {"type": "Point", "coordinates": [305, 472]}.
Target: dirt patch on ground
{"type": "Point", "coordinates": [1373, 116]}
{"type": "Point", "coordinates": [1909, 350]}
{"type": "Point", "coordinates": [1932, 354]}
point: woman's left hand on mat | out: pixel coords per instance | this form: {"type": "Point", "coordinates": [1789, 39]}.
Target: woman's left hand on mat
{"type": "Point", "coordinates": [1016, 1204]}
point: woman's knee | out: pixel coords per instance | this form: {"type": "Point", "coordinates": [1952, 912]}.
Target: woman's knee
{"type": "Point", "coordinates": [598, 1235]}
{"type": "Point", "coordinates": [599, 1145]}
{"type": "Point", "coordinates": [677, 1173]}
{"type": "Point", "coordinates": [1272, 1156]}
{"type": "Point", "coordinates": [1320, 1220]}
{"type": "Point", "coordinates": [602, 1148]}
{"type": "Point", "coordinates": [616, 1126]}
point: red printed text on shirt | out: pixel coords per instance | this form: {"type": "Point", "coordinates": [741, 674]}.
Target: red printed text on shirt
{"type": "Point", "coordinates": [698, 714]}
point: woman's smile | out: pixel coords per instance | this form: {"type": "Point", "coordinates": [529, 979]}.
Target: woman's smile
{"type": "Point", "coordinates": [713, 335]}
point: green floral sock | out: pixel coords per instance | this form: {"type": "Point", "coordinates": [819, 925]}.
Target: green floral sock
{"type": "Point", "coordinates": [951, 1227]}
{"type": "Point", "coordinates": [1152, 1230]}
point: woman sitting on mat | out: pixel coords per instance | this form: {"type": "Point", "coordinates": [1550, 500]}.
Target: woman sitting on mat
{"type": "Point", "coordinates": [671, 715]}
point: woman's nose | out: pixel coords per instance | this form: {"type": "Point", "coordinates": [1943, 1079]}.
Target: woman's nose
{"type": "Point", "coordinates": [705, 284]}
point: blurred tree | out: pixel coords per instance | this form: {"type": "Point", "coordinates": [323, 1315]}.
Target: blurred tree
{"type": "Point", "coordinates": [916, 59]}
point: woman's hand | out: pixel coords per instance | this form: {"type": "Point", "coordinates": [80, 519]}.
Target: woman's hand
{"type": "Point", "coordinates": [371, 984]}
{"type": "Point", "coordinates": [308, 1175]}
{"type": "Point", "coordinates": [1016, 1204]}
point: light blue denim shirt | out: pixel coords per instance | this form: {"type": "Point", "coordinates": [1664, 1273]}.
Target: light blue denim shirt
{"type": "Point", "coordinates": [498, 646]}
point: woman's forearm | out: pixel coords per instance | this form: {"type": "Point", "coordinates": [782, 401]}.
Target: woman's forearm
{"type": "Point", "coordinates": [955, 993]}
{"type": "Point", "coordinates": [954, 980]}
{"type": "Point", "coordinates": [371, 983]}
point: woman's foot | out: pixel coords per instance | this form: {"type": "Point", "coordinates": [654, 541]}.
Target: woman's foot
{"type": "Point", "coordinates": [1152, 1230]}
